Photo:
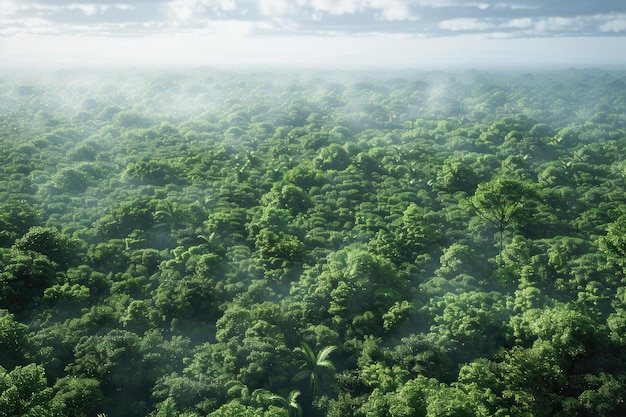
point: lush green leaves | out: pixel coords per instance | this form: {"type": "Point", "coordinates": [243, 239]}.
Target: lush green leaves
{"type": "Point", "coordinates": [215, 243]}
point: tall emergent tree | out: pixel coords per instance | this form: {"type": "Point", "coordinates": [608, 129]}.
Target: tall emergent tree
{"type": "Point", "coordinates": [497, 201]}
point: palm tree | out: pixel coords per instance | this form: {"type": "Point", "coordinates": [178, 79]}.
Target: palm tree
{"type": "Point", "coordinates": [314, 367]}
{"type": "Point", "coordinates": [289, 403]}
{"type": "Point", "coordinates": [170, 218]}
{"type": "Point", "coordinates": [213, 243]}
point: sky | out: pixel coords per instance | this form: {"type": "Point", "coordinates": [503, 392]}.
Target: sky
{"type": "Point", "coordinates": [317, 33]}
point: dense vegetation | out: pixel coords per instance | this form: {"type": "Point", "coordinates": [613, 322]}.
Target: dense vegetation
{"type": "Point", "coordinates": [215, 243]}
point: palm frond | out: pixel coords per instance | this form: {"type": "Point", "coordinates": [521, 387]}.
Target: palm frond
{"type": "Point", "coordinates": [324, 353]}
{"type": "Point", "coordinates": [307, 352]}
{"type": "Point", "coordinates": [302, 375]}
{"type": "Point", "coordinates": [293, 396]}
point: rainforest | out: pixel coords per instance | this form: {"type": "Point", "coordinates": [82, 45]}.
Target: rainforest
{"type": "Point", "coordinates": [281, 243]}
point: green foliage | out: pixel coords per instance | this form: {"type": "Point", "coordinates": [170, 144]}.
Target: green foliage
{"type": "Point", "coordinates": [79, 397]}
{"type": "Point", "coordinates": [13, 340]}
{"type": "Point", "coordinates": [471, 323]}
{"type": "Point", "coordinates": [217, 242]}
{"type": "Point", "coordinates": [315, 368]}
{"type": "Point", "coordinates": [289, 403]}
{"type": "Point", "coordinates": [614, 243]}
{"type": "Point", "coordinates": [134, 214]}
{"type": "Point", "coordinates": [167, 409]}
{"type": "Point", "coordinates": [457, 175]}
{"type": "Point", "coordinates": [16, 218]}
{"type": "Point", "coordinates": [24, 392]}
{"type": "Point", "coordinates": [278, 249]}
{"type": "Point", "coordinates": [155, 173]}
{"type": "Point", "coordinates": [47, 241]}
{"type": "Point", "coordinates": [398, 313]}
{"type": "Point", "coordinates": [331, 157]}
{"type": "Point", "coordinates": [24, 277]}
{"type": "Point", "coordinates": [72, 179]}
{"type": "Point", "coordinates": [498, 201]}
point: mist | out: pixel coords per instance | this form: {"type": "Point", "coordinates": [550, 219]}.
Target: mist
{"type": "Point", "coordinates": [221, 240]}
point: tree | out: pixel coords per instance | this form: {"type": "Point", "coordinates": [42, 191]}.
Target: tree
{"type": "Point", "coordinates": [471, 323]}
{"type": "Point", "coordinates": [12, 340]}
{"type": "Point", "coordinates": [289, 403]}
{"type": "Point", "coordinates": [77, 397]}
{"type": "Point", "coordinates": [50, 242]}
{"type": "Point", "coordinates": [71, 179]}
{"type": "Point", "coordinates": [133, 214]}
{"type": "Point", "coordinates": [167, 409]}
{"type": "Point", "coordinates": [236, 409]}
{"type": "Point", "coordinates": [170, 218]}
{"type": "Point", "coordinates": [614, 243]}
{"type": "Point", "coordinates": [24, 276]}
{"type": "Point", "coordinates": [315, 368]}
{"type": "Point", "coordinates": [332, 157]}
{"type": "Point", "coordinates": [24, 392]}
{"type": "Point", "coordinates": [532, 378]}
{"type": "Point", "coordinates": [278, 249]}
{"type": "Point", "coordinates": [423, 354]}
{"type": "Point", "coordinates": [457, 174]}
{"type": "Point", "coordinates": [497, 202]}
{"type": "Point", "coordinates": [16, 217]}
{"type": "Point", "coordinates": [116, 360]}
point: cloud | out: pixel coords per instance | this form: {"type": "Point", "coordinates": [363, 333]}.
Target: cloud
{"type": "Point", "coordinates": [560, 25]}
{"type": "Point", "coordinates": [394, 10]}
{"type": "Point", "coordinates": [465, 25]}
{"type": "Point", "coordinates": [275, 8]}
{"type": "Point", "coordinates": [614, 24]}
{"type": "Point", "coordinates": [521, 23]}
{"type": "Point", "coordinates": [334, 7]}
{"type": "Point", "coordinates": [417, 18]}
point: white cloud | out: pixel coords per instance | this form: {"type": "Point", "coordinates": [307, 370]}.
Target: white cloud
{"type": "Point", "coordinates": [464, 24]}
{"type": "Point", "coordinates": [336, 7]}
{"type": "Point", "coordinates": [29, 16]}
{"type": "Point", "coordinates": [13, 8]}
{"type": "Point", "coordinates": [614, 25]}
{"type": "Point", "coordinates": [521, 23]}
{"type": "Point", "coordinates": [88, 9]}
{"type": "Point", "coordinates": [436, 3]}
{"type": "Point", "coordinates": [559, 24]}
{"type": "Point", "coordinates": [393, 10]}
{"type": "Point", "coordinates": [481, 6]}
{"type": "Point", "coordinates": [8, 8]}
{"type": "Point", "coordinates": [182, 11]}
{"type": "Point", "coordinates": [33, 25]}
{"type": "Point", "coordinates": [387, 10]}
{"type": "Point", "coordinates": [505, 6]}
{"type": "Point", "coordinates": [487, 18]}
{"type": "Point", "coordinates": [274, 8]}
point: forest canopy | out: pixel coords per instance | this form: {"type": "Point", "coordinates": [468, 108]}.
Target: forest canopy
{"type": "Point", "coordinates": [375, 243]}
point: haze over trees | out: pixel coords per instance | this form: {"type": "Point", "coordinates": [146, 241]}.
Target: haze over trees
{"type": "Point", "coordinates": [223, 243]}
